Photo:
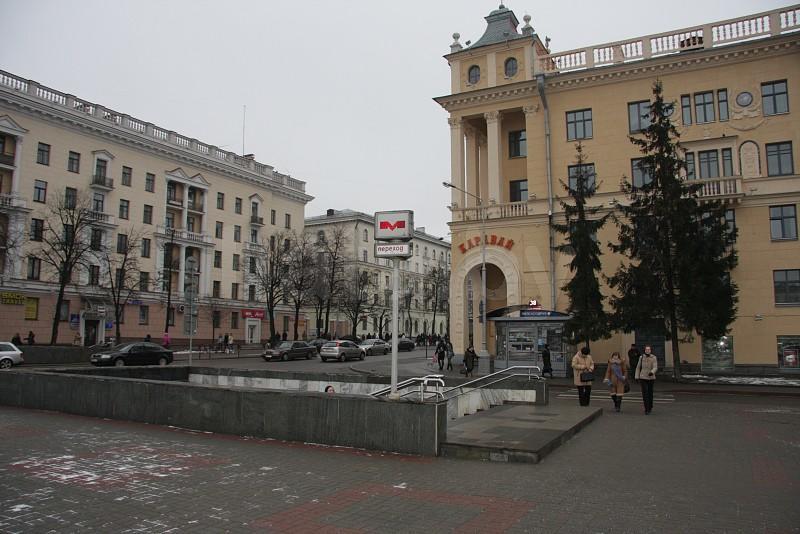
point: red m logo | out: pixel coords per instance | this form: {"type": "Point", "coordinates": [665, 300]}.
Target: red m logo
{"type": "Point", "coordinates": [386, 225]}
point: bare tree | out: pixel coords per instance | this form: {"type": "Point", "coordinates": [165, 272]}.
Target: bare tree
{"type": "Point", "coordinates": [355, 299]}
{"type": "Point", "coordinates": [436, 289]}
{"type": "Point", "coordinates": [11, 241]}
{"type": "Point", "coordinates": [319, 294]}
{"type": "Point", "coordinates": [334, 261]}
{"type": "Point", "coordinates": [65, 244]}
{"type": "Point", "coordinates": [120, 265]}
{"type": "Point", "coordinates": [300, 276]}
{"type": "Point", "coordinates": [163, 278]}
{"type": "Point", "coordinates": [270, 272]}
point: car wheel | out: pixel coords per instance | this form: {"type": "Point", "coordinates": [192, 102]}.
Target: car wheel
{"type": "Point", "coordinates": [324, 360]}
{"type": "Point", "coordinates": [6, 363]}
{"type": "Point", "coordinates": [385, 352]}
{"type": "Point", "coordinates": [308, 355]}
{"type": "Point", "coordinates": [119, 362]}
{"type": "Point", "coordinates": [362, 356]}
{"type": "Point", "coordinates": [341, 357]}
{"type": "Point", "coordinates": [285, 357]}
{"type": "Point", "coordinates": [163, 361]}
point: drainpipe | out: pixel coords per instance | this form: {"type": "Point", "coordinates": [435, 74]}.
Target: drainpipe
{"type": "Point", "coordinates": [549, 165]}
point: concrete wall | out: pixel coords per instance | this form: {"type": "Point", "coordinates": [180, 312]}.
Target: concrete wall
{"type": "Point", "coordinates": [343, 420]}
{"type": "Point", "coordinates": [38, 354]}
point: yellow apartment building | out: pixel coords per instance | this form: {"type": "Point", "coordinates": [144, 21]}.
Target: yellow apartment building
{"type": "Point", "coordinates": [187, 199]}
{"type": "Point", "coordinates": [516, 111]}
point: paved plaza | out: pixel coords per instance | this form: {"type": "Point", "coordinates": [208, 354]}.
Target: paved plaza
{"type": "Point", "coordinates": [698, 464]}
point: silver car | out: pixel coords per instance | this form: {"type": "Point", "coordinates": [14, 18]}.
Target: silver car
{"type": "Point", "coordinates": [371, 347]}
{"type": "Point", "coordinates": [9, 355]}
{"type": "Point", "coordinates": [340, 350]}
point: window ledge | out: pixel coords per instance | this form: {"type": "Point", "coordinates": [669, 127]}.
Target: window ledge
{"type": "Point", "coordinates": [775, 114]}
{"type": "Point", "coordinates": [581, 139]}
{"type": "Point", "coordinates": [518, 157]}
{"type": "Point", "coordinates": [787, 304]}
{"type": "Point", "coordinates": [782, 239]}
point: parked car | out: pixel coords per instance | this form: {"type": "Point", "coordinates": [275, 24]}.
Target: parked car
{"type": "Point", "coordinates": [405, 343]}
{"type": "Point", "coordinates": [371, 347]}
{"type": "Point", "coordinates": [10, 355]}
{"type": "Point", "coordinates": [340, 350]}
{"type": "Point", "coordinates": [134, 353]}
{"type": "Point", "coordinates": [290, 350]}
{"type": "Point", "coordinates": [348, 337]}
{"type": "Point", "coordinates": [317, 343]}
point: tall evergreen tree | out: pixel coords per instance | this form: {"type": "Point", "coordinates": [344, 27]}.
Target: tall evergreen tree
{"type": "Point", "coordinates": [679, 248]}
{"type": "Point", "coordinates": [589, 321]}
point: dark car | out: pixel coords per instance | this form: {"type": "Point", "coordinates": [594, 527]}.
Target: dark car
{"type": "Point", "coordinates": [405, 344]}
{"type": "Point", "coordinates": [135, 353]}
{"type": "Point", "coordinates": [340, 350]}
{"type": "Point", "coordinates": [374, 346]}
{"type": "Point", "coordinates": [290, 350]}
{"type": "Point", "coordinates": [317, 343]}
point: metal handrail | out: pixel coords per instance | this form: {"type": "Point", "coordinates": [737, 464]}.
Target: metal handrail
{"type": "Point", "coordinates": [461, 387]}
{"type": "Point", "coordinates": [410, 382]}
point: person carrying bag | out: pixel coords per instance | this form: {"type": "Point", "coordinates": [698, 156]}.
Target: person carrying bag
{"type": "Point", "coordinates": [583, 375]}
{"type": "Point", "coordinates": [617, 379]}
{"type": "Point", "coordinates": [646, 375]}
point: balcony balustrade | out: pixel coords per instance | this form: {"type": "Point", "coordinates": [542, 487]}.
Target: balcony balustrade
{"type": "Point", "coordinates": [505, 210]}
{"type": "Point", "coordinates": [7, 159]}
{"type": "Point", "coordinates": [255, 219]}
{"type": "Point", "coordinates": [180, 234]}
{"type": "Point", "coordinates": [174, 201]}
{"type": "Point", "coordinates": [194, 205]}
{"type": "Point", "coordinates": [100, 181]}
{"type": "Point", "coordinates": [728, 188]}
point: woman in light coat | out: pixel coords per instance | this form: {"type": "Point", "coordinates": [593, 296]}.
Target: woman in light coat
{"type": "Point", "coordinates": [646, 375]}
{"type": "Point", "coordinates": [616, 378]}
{"type": "Point", "coordinates": [582, 362]}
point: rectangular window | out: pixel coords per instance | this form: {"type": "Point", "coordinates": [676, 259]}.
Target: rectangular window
{"type": "Point", "coordinates": [235, 291]}
{"type": "Point", "coordinates": [39, 191]}
{"type": "Point", "coordinates": [709, 163]}
{"type": "Point", "coordinates": [145, 247]}
{"type": "Point", "coordinates": [101, 168]}
{"type": "Point", "coordinates": [218, 230]}
{"type": "Point", "coordinates": [722, 104]}
{"type": "Point", "coordinates": [288, 220]}
{"type": "Point", "coordinates": [285, 323]}
{"type": "Point", "coordinates": [272, 216]}
{"type": "Point", "coordinates": [70, 198]}
{"type": "Point", "coordinates": [169, 220]}
{"type": "Point", "coordinates": [704, 107]}
{"type": "Point", "coordinates": [252, 265]}
{"type": "Point", "coordinates": [217, 259]}
{"type": "Point", "coordinates": [730, 222]}
{"type": "Point", "coordinates": [691, 172]}
{"type": "Point", "coordinates": [31, 309]}
{"type": "Point", "coordinates": [727, 162]}
{"type": "Point", "coordinates": [98, 202]}
{"type": "Point", "coordinates": [69, 234]}
{"type": "Point", "coordinates": [575, 171]}
{"type": "Point", "coordinates": [272, 242]}
{"type": "Point", "coordinates": [34, 268]}
{"type": "Point", "coordinates": [519, 190]}
{"type": "Point", "coordinates": [43, 154]}
{"type": "Point", "coordinates": [150, 182]}
{"type": "Point", "coordinates": [171, 316]}
{"type": "Point", "coordinates": [220, 201]}
{"type": "Point", "coordinates": [122, 243]}
{"type": "Point", "coordinates": [37, 229]}
{"type": "Point", "coordinates": [216, 318]}
{"type": "Point", "coordinates": [251, 293]}
{"type": "Point", "coordinates": [787, 286]}
{"type": "Point", "coordinates": [144, 281]}
{"type": "Point", "coordinates": [74, 162]}
{"type": "Point", "coordinates": [124, 207]}
{"type": "Point", "coordinates": [63, 313]}
{"type": "Point", "coordinates": [774, 97]}
{"type": "Point", "coordinates": [216, 290]}
{"type": "Point", "coordinates": [579, 124]}
{"type": "Point", "coordinates": [638, 116]}
{"type": "Point", "coordinates": [147, 215]}
{"type": "Point", "coordinates": [237, 233]}
{"type": "Point", "coordinates": [234, 320]}
{"type": "Point", "coordinates": [640, 173]}
{"type": "Point", "coordinates": [144, 314]}
{"type": "Point", "coordinates": [517, 144]}
{"type": "Point", "coordinates": [94, 275]}
{"type": "Point", "coordinates": [783, 222]}
{"type": "Point", "coordinates": [235, 262]}
{"type": "Point", "coordinates": [127, 176]}
{"type": "Point", "coordinates": [254, 235]}
{"type": "Point", "coordinates": [686, 109]}
{"type": "Point", "coordinates": [96, 242]}
{"type": "Point", "coordinates": [237, 206]}
{"type": "Point", "coordinates": [779, 159]}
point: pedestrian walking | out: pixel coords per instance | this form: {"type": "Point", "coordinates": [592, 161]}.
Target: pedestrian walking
{"type": "Point", "coordinates": [646, 375]}
{"type": "Point", "coordinates": [165, 340]}
{"type": "Point", "coordinates": [633, 356]}
{"type": "Point", "coordinates": [224, 347]}
{"type": "Point", "coordinates": [147, 338]}
{"type": "Point", "coordinates": [230, 343]}
{"type": "Point", "coordinates": [617, 379]}
{"type": "Point", "coordinates": [449, 353]}
{"type": "Point", "coordinates": [16, 340]}
{"type": "Point", "coordinates": [31, 338]}
{"type": "Point", "coordinates": [441, 354]}
{"type": "Point", "coordinates": [547, 367]}
{"type": "Point", "coordinates": [583, 374]}
{"type": "Point", "coordinates": [469, 361]}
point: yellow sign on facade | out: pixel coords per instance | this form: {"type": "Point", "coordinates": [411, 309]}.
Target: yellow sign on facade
{"type": "Point", "coordinates": [7, 297]}
{"type": "Point", "coordinates": [31, 309]}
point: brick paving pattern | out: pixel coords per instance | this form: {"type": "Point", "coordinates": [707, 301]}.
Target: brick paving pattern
{"type": "Point", "coordinates": [698, 465]}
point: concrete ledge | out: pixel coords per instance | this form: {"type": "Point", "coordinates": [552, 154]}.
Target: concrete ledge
{"type": "Point", "coordinates": [54, 354]}
{"type": "Point", "coordinates": [342, 420]}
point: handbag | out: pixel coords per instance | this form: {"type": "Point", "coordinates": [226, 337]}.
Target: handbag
{"type": "Point", "coordinates": [587, 376]}
{"type": "Point", "coordinates": [627, 386]}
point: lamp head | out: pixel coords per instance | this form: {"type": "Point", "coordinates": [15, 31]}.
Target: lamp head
{"type": "Point", "coordinates": [447, 184]}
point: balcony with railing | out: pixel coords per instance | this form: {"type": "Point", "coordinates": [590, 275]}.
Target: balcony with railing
{"type": "Point", "coordinates": [98, 217]}
{"type": "Point", "coordinates": [256, 220]}
{"type": "Point", "coordinates": [100, 181]}
{"type": "Point", "coordinates": [179, 234]}
{"type": "Point", "coordinates": [504, 210]}
{"type": "Point", "coordinates": [702, 37]}
{"type": "Point", "coordinates": [728, 188]}
{"type": "Point", "coordinates": [194, 205]}
{"type": "Point", "coordinates": [7, 159]}
{"type": "Point", "coordinates": [10, 201]}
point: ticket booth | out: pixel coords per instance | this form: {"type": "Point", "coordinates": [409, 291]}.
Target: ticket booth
{"type": "Point", "coordinates": [521, 334]}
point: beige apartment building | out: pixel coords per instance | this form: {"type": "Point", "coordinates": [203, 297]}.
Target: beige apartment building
{"type": "Point", "coordinates": [516, 111]}
{"type": "Point", "coordinates": [186, 198]}
{"type": "Point", "coordinates": [416, 298]}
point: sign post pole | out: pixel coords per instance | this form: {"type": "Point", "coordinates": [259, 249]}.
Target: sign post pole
{"type": "Point", "coordinates": [395, 326]}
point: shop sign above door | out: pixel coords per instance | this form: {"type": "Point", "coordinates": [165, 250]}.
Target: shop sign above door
{"type": "Point", "coordinates": [491, 240]}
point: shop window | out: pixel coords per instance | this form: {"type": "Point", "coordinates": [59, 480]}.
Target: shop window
{"type": "Point", "coordinates": [789, 352]}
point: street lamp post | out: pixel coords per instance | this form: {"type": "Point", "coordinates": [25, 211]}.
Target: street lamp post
{"type": "Point", "coordinates": [481, 212]}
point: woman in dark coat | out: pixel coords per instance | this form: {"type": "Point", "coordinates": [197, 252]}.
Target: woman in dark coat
{"type": "Point", "coordinates": [441, 354]}
{"type": "Point", "coordinates": [469, 360]}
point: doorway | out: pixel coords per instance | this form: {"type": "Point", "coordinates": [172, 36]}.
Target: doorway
{"type": "Point", "coordinates": [90, 332]}
{"type": "Point", "coordinates": [252, 330]}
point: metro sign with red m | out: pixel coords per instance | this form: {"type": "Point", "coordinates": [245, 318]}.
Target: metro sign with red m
{"type": "Point", "coordinates": [394, 225]}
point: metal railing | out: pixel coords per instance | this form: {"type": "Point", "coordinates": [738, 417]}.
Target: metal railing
{"type": "Point", "coordinates": [419, 385]}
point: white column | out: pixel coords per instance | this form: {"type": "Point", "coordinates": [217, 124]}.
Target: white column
{"type": "Point", "coordinates": [202, 287]}
{"type": "Point", "coordinates": [472, 166]}
{"type": "Point", "coordinates": [456, 161]}
{"type": "Point", "coordinates": [17, 162]}
{"type": "Point", "coordinates": [185, 211]}
{"type": "Point", "coordinates": [493, 156]}
{"type": "Point", "coordinates": [181, 269]}
{"type": "Point", "coordinates": [483, 168]}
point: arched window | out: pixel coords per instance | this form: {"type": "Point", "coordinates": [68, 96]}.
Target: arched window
{"type": "Point", "coordinates": [511, 67]}
{"type": "Point", "coordinates": [474, 74]}
{"type": "Point", "coordinates": [366, 235]}
{"type": "Point", "coordinates": [321, 236]}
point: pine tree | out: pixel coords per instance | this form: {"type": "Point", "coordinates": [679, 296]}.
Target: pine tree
{"type": "Point", "coordinates": [588, 321]}
{"type": "Point", "coordinates": [680, 250]}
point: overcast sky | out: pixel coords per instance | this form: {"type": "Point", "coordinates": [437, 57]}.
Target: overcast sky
{"type": "Point", "coordinates": [338, 93]}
